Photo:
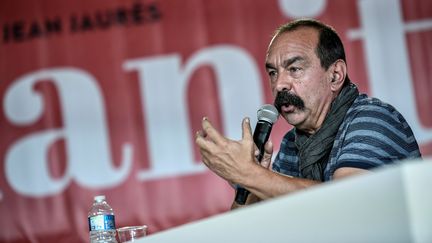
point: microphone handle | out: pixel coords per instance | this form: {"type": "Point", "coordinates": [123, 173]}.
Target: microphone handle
{"type": "Point", "coordinates": [260, 136]}
{"type": "Point", "coordinates": [241, 195]}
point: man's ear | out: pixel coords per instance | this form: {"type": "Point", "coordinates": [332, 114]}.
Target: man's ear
{"type": "Point", "coordinates": [338, 74]}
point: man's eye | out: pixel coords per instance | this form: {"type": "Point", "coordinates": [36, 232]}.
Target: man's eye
{"type": "Point", "coordinates": [294, 69]}
{"type": "Point", "coordinates": [272, 73]}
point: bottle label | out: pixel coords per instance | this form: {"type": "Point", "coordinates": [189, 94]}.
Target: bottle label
{"type": "Point", "coordinates": [101, 222]}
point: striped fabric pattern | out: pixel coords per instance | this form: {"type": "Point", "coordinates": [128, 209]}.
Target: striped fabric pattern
{"type": "Point", "coordinates": [372, 134]}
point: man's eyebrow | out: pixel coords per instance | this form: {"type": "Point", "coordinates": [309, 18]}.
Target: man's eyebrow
{"type": "Point", "coordinates": [286, 62]}
{"type": "Point", "coordinates": [292, 60]}
{"type": "Point", "coordinates": [269, 66]}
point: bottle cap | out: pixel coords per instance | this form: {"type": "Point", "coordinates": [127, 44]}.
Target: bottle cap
{"type": "Point", "coordinates": [99, 198]}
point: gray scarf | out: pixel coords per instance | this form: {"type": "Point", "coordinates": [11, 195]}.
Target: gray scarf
{"type": "Point", "coordinates": [314, 150]}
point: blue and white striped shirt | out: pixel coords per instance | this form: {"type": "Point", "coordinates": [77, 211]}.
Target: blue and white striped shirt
{"type": "Point", "coordinates": [372, 134]}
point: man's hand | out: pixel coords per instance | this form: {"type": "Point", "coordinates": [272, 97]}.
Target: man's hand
{"type": "Point", "coordinates": [229, 159]}
{"type": "Point", "coordinates": [265, 162]}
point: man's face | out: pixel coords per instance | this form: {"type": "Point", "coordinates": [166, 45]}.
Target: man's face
{"type": "Point", "coordinates": [296, 74]}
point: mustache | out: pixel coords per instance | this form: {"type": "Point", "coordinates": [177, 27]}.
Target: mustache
{"type": "Point", "coordinates": [285, 98]}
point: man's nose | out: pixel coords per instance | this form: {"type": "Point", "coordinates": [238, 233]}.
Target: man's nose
{"type": "Point", "coordinates": [283, 82]}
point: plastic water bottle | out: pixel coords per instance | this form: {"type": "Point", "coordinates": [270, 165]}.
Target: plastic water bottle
{"type": "Point", "coordinates": [101, 222]}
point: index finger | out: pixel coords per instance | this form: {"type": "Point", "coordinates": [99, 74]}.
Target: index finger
{"type": "Point", "coordinates": [202, 143]}
{"type": "Point", "coordinates": [246, 129]}
{"type": "Point", "coordinates": [211, 132]}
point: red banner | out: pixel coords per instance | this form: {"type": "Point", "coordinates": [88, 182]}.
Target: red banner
{"type": "Point", "coordinates": [104, 97]}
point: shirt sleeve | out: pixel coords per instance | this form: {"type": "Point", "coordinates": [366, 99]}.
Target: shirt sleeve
{"type": "Point", "coordinates": [374, 137]}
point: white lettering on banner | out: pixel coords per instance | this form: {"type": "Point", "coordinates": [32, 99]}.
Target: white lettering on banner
{"type": "Point", "coordinates": [169, 134]}
{"type": "Point", "coordinates": [89, 158]}
{"type": "Point", "coordinates": [85, 130]}
{"type": "Point", "coordinates": [302, 8]}
{"type": "Point", "coordinates": [388, 61]}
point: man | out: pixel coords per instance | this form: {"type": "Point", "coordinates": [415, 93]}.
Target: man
{"type": "Point", "coordinates": [337, 131]}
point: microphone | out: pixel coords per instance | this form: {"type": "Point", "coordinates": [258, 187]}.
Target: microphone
{"type": "Point", "coordinates": [267, 115]}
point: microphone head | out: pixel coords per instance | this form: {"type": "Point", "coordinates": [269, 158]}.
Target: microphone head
{"type": "Point", "coordinates": [267, 113]}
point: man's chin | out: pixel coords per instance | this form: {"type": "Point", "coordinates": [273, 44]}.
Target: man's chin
{"type": "Point", "coordinates": [293, 118]}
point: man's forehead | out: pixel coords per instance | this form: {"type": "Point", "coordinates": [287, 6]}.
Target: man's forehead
{"type": "Point", "coordinates": [305, 35]}
{"type": "Point", "coordinates": [294, 43]}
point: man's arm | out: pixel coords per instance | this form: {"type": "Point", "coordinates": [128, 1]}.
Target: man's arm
{"type": "Point", "coordinates": [267, 184]}
{"type": "Point", "coordinates": [235, 162]}
{"type": "Point", "coordinates": [348, 171]}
